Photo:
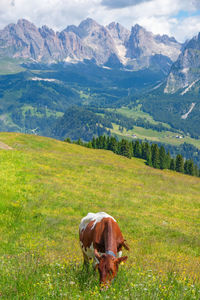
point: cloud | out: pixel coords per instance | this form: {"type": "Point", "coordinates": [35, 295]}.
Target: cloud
{"type": "Point", "coordinates": [172, 17]}
{"type": "Point", "coordinates": [121, 3]}
{"type": "Point", "coordinates": [196, 4]}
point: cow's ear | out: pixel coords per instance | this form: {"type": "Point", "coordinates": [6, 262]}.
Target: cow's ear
{"type": "Point", "coordinates": [121, 259]}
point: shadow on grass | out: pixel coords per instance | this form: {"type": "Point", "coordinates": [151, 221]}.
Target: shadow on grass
{"type": "Point", "coordinates": [86, 277]}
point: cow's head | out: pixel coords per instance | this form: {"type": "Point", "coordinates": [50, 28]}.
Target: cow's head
{"type": "Point", "coordinates": [108, 267]}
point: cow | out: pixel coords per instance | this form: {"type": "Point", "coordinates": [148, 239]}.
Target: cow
{"type": "Point", "coordinates": [102, 241]}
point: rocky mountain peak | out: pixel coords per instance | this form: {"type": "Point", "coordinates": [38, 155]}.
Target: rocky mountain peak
{"type": "Point", "coordinates": [45, 31]}
{"type": "Point", "coordinates": [25, 23]}
{"type": "Point", "coordinates": [87, 26]}
{"type": "Point", "coordinates": [113, 44]}
{"type": "Point", "coordinates": [165, 39]}
{"type": "Point", "coordinates": [136, 29]}
{"type": "Point", "coordinates": [119, 32]}
{"type": "Point", "coordinates": [186, 70]}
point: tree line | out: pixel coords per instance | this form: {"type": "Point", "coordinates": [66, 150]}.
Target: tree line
{"type": "Point", "coordinates": [155, 156]}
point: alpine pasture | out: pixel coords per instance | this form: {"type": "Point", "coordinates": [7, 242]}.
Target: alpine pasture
{"type": "Point", "coordinates": [47, 186]}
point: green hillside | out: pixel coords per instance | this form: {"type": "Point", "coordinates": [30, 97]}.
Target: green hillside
{"type": "Point", "coordinates": [47, 186]}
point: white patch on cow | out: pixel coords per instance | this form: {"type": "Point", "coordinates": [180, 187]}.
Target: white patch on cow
{"type": "Point", "coordinates": [119, 254]}
{"type": "Point", "coordinates": [89, 252]}
{"type": "Point", "coordinates": [93, 217]}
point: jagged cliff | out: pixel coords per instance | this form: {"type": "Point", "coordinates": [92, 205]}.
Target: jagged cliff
{"type": "Point", "coordinates": [185, 72]}
{"type": "Point", "coordinates": [135, 49]}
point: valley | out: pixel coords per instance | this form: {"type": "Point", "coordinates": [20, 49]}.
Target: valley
{"type": "Point", "coordinates": [124, 85]}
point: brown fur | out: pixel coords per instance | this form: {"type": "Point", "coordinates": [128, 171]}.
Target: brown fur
{"type": "Point", "coordinates": [105, 236]}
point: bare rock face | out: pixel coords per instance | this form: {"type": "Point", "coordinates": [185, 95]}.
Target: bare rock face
{"type": "Point", "coordinates": [120, 36]}
{"type": "Point", "coordinates": [52, 45]}
{"type": "Point", "coordinates": [112, 44]}
{"type": "Point", "coordinates": [186, 70]}
{"type": "Point", "coordinates": [25, 40]}
{"type": "Point", "coordinates": [96, 39]}
{"type": "Point", "coordinates": [21, 40]}
{"type": "Point", "coordinates": [143, 45]}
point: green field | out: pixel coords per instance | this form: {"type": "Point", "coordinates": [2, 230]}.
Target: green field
{"type": "Point", "coordinates": [136, 113]}
{"type": "Point", "coordinates": [47, 186]}
{"type": "Point", "coordinates": [167, 137]}
{"type": "Point", "coordinates": [10, 66]}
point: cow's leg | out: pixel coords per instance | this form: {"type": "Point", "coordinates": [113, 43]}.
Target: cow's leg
{"type": "Point", "coordinates": [95, 263]}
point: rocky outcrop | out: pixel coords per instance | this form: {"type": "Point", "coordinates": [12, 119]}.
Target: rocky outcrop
{"type": "Point", "coordinates": [96, 39]}
{"type": "Point", "coordinates": [185, 71]}
{"type": "Point", "coordinates": [142, 46]}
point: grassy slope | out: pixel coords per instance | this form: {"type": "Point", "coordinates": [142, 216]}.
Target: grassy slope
{"type": "Point", "coordinates": [47, 186]}
{"type": "Point", "coordinates": [10, 66]}
{"type": "Point", "coordinates": [168, 137]}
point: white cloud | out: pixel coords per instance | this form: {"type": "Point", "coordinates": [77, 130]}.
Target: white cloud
{"type": "Point", "coordinates": [187, 28]}
{"type": "Point", "coordinates": [158, 16]}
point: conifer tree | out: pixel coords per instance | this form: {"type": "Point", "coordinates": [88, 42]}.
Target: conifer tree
{"type": "Point", "coordinates": [155, 156]}
{"type": "Point", "coordinates": [168, 160]}
{"type": "Point", "coordinates": [149, 156]}
{"type": "Point", "coordinates": [101, 142]}
{"type": "Point", "coordinates": [89, 145]}
{"type": "Point", "coordinates": [191, 168]}
{"type": "Point", "coordinates": [143, 146]}
{"type": "Point", "coordinates": [67, 140]}
{"type": "Point", "coordinates": [97, 143]}
{"type": "Point", "coordinates": [94, 142]}
{"type": "Point", "coordinates": [162, 158]}
{"type": "Point", "coordinates": [113, 144]}
{"type": "Point", "coordinates": [196, 171]}
{"type": "Point", "coordinates": [124, 148]}
{"type": "Point", "coordinates": [107, 142]}
{"type": "Point", "coordinates": [186, 165]}
{"type": "Point", "coordinates": [79, 142]}
{"type": "Point", "coordinates": [131, 149]}
{"type": "Point", "coordinates": [179, 163]}
{"type": "Point", "coordinates": [104, 142]}
{"type": "Point", "coordinates": [172, 164]}
{"type": "Point", "coordinates": [137, 150]}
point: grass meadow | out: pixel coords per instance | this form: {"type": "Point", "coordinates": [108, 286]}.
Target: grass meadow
{"type": "Point", "coordinates": [168, 137]}
{"type": "Point", "coordinates": [47, 186]}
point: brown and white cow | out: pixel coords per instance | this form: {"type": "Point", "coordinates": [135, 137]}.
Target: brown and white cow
{"type": "Point", "coordinates": [102, 241]}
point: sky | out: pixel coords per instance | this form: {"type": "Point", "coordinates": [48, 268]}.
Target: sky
{"type": "Point", "coordinates": [178, 18]}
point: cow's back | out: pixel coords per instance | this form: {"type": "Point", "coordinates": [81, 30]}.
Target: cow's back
{"type": "Point", "coordinates": [95, 218]}
{"type": "Point", "coordinates": [91, 230]}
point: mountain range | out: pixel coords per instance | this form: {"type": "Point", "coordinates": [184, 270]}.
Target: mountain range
{"type": "Point", "coordinates": [111, 45]}
{"type": "Point", "coordinates": [92, 79]}
{"type": "Point", "coordinates": [108, 46]}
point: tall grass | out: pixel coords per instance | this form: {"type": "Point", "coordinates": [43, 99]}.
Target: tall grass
{"type": "Point", "coordinates": [47, 186]}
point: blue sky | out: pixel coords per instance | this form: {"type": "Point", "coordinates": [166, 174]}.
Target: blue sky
{"type": "Point", "coordinates": [178, 18]}
{"type": "Point", "coordinates": [182, 14]}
